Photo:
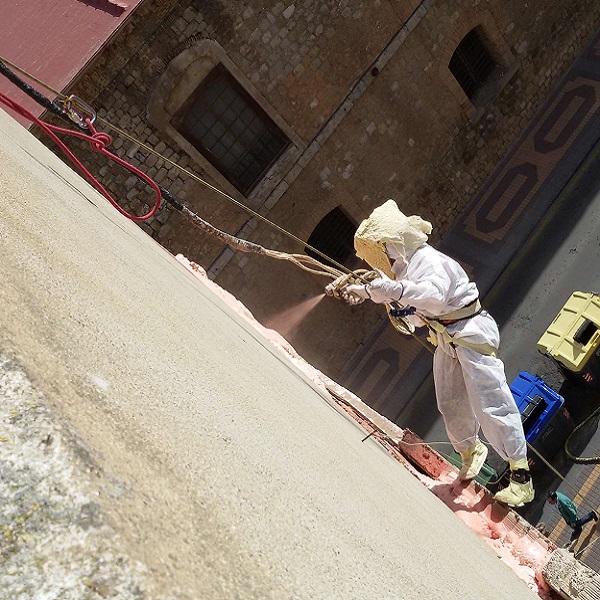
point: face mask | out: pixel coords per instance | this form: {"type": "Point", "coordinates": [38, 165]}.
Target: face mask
{"type": "Point", "coordinates": [395, 252]}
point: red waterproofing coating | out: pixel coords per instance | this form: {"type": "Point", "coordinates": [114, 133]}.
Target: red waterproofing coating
{"type": "Point", "coordinates": [55, 39]}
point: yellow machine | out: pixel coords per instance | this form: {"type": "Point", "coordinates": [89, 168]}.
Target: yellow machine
{"type": "Point", "coordinates": [573, 339]}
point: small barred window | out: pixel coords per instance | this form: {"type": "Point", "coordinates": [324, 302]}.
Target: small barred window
{"type": "Point", "coordinates": [471, 64]}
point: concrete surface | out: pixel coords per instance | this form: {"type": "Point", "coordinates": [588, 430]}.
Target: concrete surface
{"type": "Point", "coordinates": [236, 478]}
{"type": "Point", "coordinates": [55, 543]}
{"type": "Point", "coordinates": [571, 579]}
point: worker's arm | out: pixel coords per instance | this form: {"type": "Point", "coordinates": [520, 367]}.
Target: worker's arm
{"type": "Point", "coordinates": [425, 294]}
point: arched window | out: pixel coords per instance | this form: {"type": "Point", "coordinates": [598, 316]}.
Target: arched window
{"type": "Point", "coordinates": [472, 64]}
{"type": "Point", "coordinates": [334, 237]}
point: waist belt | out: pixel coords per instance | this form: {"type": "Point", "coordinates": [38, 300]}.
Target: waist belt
{"type": "Point", "coordinates": [471, 310]}
{"type": "Point", "coordinates": [466, 312]}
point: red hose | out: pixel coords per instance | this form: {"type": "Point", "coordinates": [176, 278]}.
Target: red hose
{"type": "Point", "coordinates": [98, 142]}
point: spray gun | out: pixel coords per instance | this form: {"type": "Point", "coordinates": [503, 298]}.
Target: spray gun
{"type": "Point", "coordinates": [397, 313]}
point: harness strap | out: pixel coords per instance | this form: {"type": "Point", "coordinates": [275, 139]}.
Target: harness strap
{"type": "Point", "coordinates": [467, 312]}
{"type": "Point", "coordinates": [486, 349]}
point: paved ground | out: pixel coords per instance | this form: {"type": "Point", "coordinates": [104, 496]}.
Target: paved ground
{"type": "Point", "coordinates": [218, 465]}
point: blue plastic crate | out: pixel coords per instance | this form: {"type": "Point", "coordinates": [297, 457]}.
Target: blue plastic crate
{"type": "Point", "coordinates": [537, 403]}
{"type": "Point", "coordinates": [546, 421]}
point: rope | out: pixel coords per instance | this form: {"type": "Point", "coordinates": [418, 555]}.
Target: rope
{"type": "Point", "coordinates": [191, 174]}
{"type": "Point", "coordinates": [32, 92]}
{"type": "Point", "coordinates": [303, 261]}
{"type": "Point", "coordinates": [21, 83]}
{"type": "Point", "coordinates": [98, 142]}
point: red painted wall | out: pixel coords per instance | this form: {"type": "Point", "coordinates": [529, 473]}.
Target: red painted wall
{"type": "Point", "coordinates": [55, 39]}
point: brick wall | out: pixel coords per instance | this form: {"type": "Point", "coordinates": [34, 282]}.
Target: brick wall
{"type": "Point", "coordinates": [364, 92]}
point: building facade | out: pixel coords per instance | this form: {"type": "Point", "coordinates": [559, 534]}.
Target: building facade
{"type": "Point", "coordinates": [313, 113]}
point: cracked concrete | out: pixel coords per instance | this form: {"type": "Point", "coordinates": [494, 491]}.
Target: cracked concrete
{"type": "Point", "coordinates": [54, 539]}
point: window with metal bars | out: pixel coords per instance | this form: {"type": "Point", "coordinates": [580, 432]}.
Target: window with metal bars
{"type": "Point", "coordinates": [334, 237]}
{"type": "Point", "coordinates": [226, 125]}
{"type": "Point", "coordinates": [471, 64]}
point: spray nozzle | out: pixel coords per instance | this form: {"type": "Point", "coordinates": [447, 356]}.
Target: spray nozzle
{"type": "Point", "coordinates": [339, 287]}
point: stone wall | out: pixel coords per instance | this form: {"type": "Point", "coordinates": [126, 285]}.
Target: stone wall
{"type": "Point", "coordinates": [362, 90]}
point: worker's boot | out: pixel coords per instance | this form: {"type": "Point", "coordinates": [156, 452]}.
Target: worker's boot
{"type": "Point", "coordinates": [520, 489]}
{"type": "Point", "coordinates": [472, 461]}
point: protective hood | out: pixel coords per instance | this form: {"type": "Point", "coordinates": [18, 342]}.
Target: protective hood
{"type": "Point", "coordinates": [388, 225]}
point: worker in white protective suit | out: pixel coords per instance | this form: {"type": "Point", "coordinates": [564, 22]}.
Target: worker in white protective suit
{"type": "Point", "coordinates": [470, 382]}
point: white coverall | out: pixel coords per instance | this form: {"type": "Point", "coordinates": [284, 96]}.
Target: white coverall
{"type": "Point", "coordinates": [471, 387]}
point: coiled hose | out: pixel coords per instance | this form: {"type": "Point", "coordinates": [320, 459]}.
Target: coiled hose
{"type": "Point", "coordinates": [581, 459]}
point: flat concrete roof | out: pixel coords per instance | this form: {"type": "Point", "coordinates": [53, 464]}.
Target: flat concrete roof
{"type": "Point", "coordinates": [238, 474]}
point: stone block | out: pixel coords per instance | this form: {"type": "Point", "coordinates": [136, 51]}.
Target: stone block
{"type": "Point", "coordinates": [570, 578]}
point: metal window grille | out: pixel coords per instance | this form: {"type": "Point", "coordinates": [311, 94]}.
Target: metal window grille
{"type": "Point", "coordinates": [471, 64]}
{"type": "Point", "coordinates": [334, 237]}
{"type": "Point", "coordinates": [224, 123]}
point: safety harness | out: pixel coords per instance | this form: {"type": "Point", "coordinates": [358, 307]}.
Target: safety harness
{"type": "Point", "coordinates": [440, 324]}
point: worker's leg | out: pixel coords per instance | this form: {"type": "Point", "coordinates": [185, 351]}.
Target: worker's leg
{"type": "Point", "coordinates": [453, 402]}
{"type": "Point", "coordinates": [495, 407]}
{"type": "Point", "coordinates": [577, 528]}
{"type": "Point", "coordinates": [493, 404]}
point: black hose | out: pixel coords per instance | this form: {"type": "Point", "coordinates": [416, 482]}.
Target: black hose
{"type": "Point", "coordinates": [582, 459]}
{"type": "Point", "coordinates": [33, 93]}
